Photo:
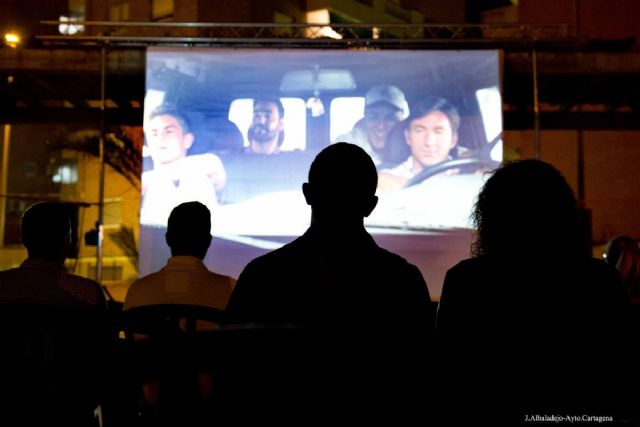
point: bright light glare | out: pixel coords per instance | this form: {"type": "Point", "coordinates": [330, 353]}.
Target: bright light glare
{"type": "Point", "coordinates": [321, 16]}
{"type": "Point", "coordinates": [12, 39]}
{"type": "Point", "coordinates": [329, 32]}
{"type": "Point", "coordinates": [69, 29]}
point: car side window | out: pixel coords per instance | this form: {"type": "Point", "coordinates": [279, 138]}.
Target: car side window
{"type": "Point", "coordinates": [345, 113]}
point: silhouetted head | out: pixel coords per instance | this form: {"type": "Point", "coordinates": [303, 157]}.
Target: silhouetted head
{"type": "Point", "coordinates": [342, 185]}
{"type": "Point", "coordinates": [525, 210]}
{"type": "Point", "coordinates": [189, 230]}
{"type": "Point", "coordinates": [623, 253]}
{"type": "Point", "coordinates": [46, 231]}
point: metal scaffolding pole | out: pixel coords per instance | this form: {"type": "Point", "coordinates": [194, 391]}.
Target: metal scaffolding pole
{"type": "Point", "coordinates": [4, 171]}
{"type": "Point", "coordinates": [99, 222]}
{"type": "Point", "coordinates": [536, 106]}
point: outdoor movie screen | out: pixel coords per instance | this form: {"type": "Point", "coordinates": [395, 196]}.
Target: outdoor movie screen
{"type": "Point", "coordinates": [237, 129]}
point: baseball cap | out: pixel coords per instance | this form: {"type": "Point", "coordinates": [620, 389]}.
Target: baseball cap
{"type": "Point", "coordinates": [386, 93]}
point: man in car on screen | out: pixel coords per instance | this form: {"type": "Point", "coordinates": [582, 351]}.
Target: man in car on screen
{"type": "Point", "coordinates": [176, 177]}
{"type": "Point", "coordinates": [431, 132]}
{"type": "Point", "coordinates": [266, 132]}
{"type": "Point", "coordinates": [383, 110]}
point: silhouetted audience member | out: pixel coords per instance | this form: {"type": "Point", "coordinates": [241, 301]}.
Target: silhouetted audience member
{"type": "Point", "coordinates": [53, 329]}
{"type": "Point", "coordinates": [42, 277]}
{"type": "Point", "coordinates": [623, 253]}
{"type": "Point", "coordinates": [531, 326]}
{"type": "Point", "coordinates": [336, 280]}
{"type": "Point", "coordinates": [185, 279]}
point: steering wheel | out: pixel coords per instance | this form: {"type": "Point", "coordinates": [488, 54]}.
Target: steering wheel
{"type": "Point", "coordinates": [481, 160]}
{"type": "Point", "coordinates": [466, 163]}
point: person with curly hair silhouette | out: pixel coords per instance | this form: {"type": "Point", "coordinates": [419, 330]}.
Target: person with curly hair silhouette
{"type": "Point", "coordinates": [530, 312]}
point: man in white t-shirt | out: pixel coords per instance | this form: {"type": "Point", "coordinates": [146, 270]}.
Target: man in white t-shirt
{"type": "Point", "coordinates": [176, 177]}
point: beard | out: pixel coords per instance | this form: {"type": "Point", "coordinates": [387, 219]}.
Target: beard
{"type": "Point", "coordinates": [262, 133]}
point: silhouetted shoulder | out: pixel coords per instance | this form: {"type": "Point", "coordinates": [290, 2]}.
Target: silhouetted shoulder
{"type": "Point", "coordinates": [135, 294]}
{"type": "Point", "coordinates": [283, 254]}
{"type": "Point", "coordinates": [305, 247]}
{"type": "Point", "coordinates": [482, 288]}
{"type": "Point", "coordinates": [396, 262]}
{"type": "Point", "coordinates": [606, 281]}
{"type": "Point", "coordinates": [584, 272]}
{"type": "Point", "coordinates": [273, 262]}
{"type": "Point", "coordinates": [465, 274]}
{"type": "Point", "coordinates": [470, 264]}
{"type": "Point", "coordinates": [179, 284]}
{"type": "Point", "coordinates": [311, 281]}
{"type": "Point", "coordinates": [44, 283]}
{"type": "Point", "coordinates": [600, 266]}
{"type": "Point", "coordinates": [379, 259]}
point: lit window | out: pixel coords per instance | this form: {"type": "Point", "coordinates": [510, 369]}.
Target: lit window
{"type": "Point", "coordinates": [345, 113]}
{"type": "Point", "coordinates": [119, 12]}
{"type": "Point", "coordinates": [112, 212]}
{"type": "Point", "coordinates": [320, 16]}
{"type": "Point", "coordinates": [161, 8]}
{"type": "Point", "coordinates": [77, 12]}
{"type": "Point", "coordinates": [67, 28]}
{"type": "Point", "coordinates": [282, 18]}
{"type": "Point", "coordinates": [490, 103]}
{"type": "Point", "coordinates": [66, 172]}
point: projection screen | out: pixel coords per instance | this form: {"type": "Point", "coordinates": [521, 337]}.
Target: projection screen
{"type": "Point", "coordinates": [209, 112]}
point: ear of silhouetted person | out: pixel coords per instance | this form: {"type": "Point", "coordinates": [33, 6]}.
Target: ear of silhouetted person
{"type": "Point", "coordinates": [341, 186]}
{"type": "Point", "coordinates": [46, 232]}
{"type": "Point", "coordinates": [189, 230]}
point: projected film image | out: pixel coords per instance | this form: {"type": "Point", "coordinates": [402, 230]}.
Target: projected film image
{"type": "Point", "coordinates": [237, 130]}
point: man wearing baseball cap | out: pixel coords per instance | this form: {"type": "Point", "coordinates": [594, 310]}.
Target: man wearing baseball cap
{"type": "Point", "coordinates": [385, 106]}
